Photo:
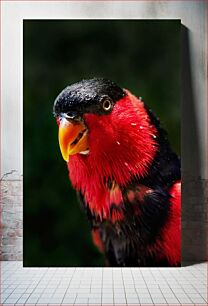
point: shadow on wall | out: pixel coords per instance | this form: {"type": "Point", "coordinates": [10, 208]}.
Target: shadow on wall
{"type": "Point", "coordinates": [194, 226]}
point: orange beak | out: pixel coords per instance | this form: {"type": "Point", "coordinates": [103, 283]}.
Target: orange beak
{"type": "Point", "coordinates": [73, 138]}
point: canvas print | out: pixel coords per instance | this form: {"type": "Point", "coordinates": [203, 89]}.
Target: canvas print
{"type": "Point", "coordinates": [102, 174]}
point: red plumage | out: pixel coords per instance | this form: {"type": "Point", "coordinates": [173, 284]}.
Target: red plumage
{"type": "Point", "coordinates": [171, 233]}
{"type": "Point", "coordinates": [129, 183]}
{"type": "Point", "coordinates": [122, 144]}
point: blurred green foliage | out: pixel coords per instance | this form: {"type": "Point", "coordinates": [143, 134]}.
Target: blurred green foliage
{"type": "Point", "coordinates": [143, 56]}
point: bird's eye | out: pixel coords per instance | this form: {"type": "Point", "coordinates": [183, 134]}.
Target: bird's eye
{"type": "Point", "coordinates": [107, 104]}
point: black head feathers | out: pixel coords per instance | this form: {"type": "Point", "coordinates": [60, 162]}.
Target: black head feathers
{"type": "Point", "coordinates": [86, 96]}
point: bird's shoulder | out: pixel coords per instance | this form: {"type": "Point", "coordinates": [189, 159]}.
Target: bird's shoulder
{"type": "Point", "coordinates": [135, 202]}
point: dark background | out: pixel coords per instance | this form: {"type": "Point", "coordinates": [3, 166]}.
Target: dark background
{"type": "Point", "coordinates": [143, 56]}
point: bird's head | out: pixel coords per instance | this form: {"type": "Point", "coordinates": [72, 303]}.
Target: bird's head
{"type": "Point", "coordinates": [80, 105]}
{"type": "Point", "coordinates": [97, 118]}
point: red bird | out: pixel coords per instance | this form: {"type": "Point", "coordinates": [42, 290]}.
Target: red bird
{"type": "Point", "coordinates": [125, 173]}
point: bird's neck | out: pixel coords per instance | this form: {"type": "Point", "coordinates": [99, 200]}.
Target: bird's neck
{"type": "Point", "coordinates": [115, 155]}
